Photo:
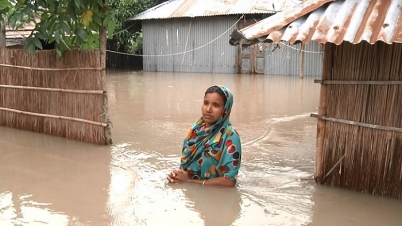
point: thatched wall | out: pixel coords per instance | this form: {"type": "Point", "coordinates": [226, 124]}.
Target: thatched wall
{"type": "Point", "coordinates": [359, 139]}
{"type": "Point", "coordinates": [57, 96]}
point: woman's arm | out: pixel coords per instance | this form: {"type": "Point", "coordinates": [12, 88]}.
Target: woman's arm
{"type": "Point", "coordinates": [218, 181]}
{"type": "Point", "coordinates": [179, 176]}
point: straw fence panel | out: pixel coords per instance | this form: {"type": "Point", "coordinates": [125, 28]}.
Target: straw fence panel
{"type": "Point", "coordinates": [56, 96]}
{"type": "Point", "coordinates": [362, 141]}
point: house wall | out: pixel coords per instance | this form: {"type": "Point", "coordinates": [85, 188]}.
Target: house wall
{"type": "Point", "coordinates": [164, 39]}
{"type": "Point", "coordinates": [172, 36]}
{"type": "Point", "coordinates": [284, 59]}
{"type": "Point", "coordinates": [359, 142]}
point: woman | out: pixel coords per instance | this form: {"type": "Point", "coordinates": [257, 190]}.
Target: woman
{"type": "Point", "coordinates": [211, 153]}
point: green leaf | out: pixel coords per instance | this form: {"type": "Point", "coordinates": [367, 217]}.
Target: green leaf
{"type": "Point", "coordinates": [100, 3]}
{"type": "Point", "coordinates": [107, 19]}
{"type": "Point", "coordinates": [110, 29]}
{"type": "Point", "coordinates": [97, 19]}
{"type": "Point", "coordinates": [37, 43]}
{"type": "Point", "coordinates": [12, 22]}
{"type": "Point", "coordinates": [64, 44]}
{"type": "Point", "coordinates": [30, 47]}
{"type": "Point", "coordinates": [81, 33]}
{"type": "Point", "coordinates": [58, 51]}
{"type": "Point", "coordinates": [93, 27]}
{"type": "Point", "coordinates": [71, 10]}
{"type": "Point", "coordinates": [4, 11]}
{"type": "Point", "coordinates": [57, 36]}
{"type": "Point", "coordinates": [42, 28]}
{"type": "Point", "coordinates": [6, 4]}
{"type": "Point", "coordinates": [72, 40]}
{"type": "Point", "coordinates": [65, 27]}
{"type": "Point", "coordinates": [40, 35]}
{"type": "Point", "coordinates": [78, 40]}
{"type": "Point", "coordinates": [28, 11]}
{"type": "Point", "coordinates": [77, 3]}
{"type": "Point", "coordinates": [52, 25]}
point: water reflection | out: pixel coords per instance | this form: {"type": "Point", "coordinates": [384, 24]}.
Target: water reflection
{"type": "Point", "coordinates": [48, 180]}
{"type": "Point", "coordinates": [216, 206]}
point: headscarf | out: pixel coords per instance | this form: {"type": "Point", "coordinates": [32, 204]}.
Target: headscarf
{"type": "Point", "coordinates": [214, 151]}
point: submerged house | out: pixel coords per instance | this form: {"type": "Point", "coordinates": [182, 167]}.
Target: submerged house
{"type": "Point", "coordinates": [192, 36]}
{"type": "Point", "coordinates": [359, 129]}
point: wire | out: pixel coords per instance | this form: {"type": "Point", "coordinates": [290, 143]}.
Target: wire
{"type": "Point", "coordinates": [174, 54]}
{"type": "Point", "coordinates": [306, 51]}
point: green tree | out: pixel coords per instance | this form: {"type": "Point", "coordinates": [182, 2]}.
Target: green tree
{"type": "Point", "coordinates": [128, 36]}
{"type": "Point", "coordinates": [76, 23]}
{"type": "Point", "coordinates": [69, 23]}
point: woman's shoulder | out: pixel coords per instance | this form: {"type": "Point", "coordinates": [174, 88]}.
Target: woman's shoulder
{"type": "Point", "coordinates": [231, 132]}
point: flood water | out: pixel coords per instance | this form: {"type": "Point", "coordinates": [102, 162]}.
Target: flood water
{"type": "Point", "coordinates": [47, 180]}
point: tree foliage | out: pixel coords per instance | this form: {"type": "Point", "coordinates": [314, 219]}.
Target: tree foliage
{"type": "Point", "coordinates": [127, 36]}
{"type": "Point", "coordinates": [68, 23]}
{"type": "Point", "coordinates": [75, 23]}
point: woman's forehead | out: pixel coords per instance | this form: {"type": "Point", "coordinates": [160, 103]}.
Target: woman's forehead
{"type": "Point", "coordinates": [214, 97]}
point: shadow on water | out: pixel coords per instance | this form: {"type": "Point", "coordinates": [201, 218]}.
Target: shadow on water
{"type": "Point", "coordinates": [48, 180]}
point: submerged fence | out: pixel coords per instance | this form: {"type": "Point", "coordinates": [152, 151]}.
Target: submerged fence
{"type": "Point", "coordinates": [57, 96]}
{"type": "Point", "coordinates": [359, 138]}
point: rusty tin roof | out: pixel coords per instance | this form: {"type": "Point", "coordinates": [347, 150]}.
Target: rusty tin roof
{"type": "Point", "coordinates": [330, 21]}
{"type": "Point", "coordinates": [201, 8]}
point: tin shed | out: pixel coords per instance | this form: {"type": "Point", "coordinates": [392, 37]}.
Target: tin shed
{"type": "Point", "coordinates": [191, 36]}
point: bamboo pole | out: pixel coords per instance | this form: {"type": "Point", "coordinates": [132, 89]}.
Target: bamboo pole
{"type": "Point", "coordinates": [102, 48]}
{"type": "Point", "coordinates": [52, 69]}
{"type": "Point", "coordinates": [361, 124]}
{"type": "Point", "coordinates": [322, 108]}
{"type": "Point", "coordinates": [301, 72]}
{"type": "Point", "coordinates": [2, 34]}
{"type": "Point", "coordinates": [339, 82]}
{"type": "Point", "coordinates": [54, 89]}
{"type": "Point", "coordinates": [54, 116]}
{"type": "Point", "coordinates": [332, 169]}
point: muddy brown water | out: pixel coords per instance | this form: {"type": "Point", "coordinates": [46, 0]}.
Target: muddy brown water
{"type": "Point", "coordinates": [47, 180]}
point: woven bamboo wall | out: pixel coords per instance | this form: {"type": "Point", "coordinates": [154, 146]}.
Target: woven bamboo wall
{"type": "Point", "coordinates": [364, 154]}
{"type": "Point", "coordinates": [55, 96]}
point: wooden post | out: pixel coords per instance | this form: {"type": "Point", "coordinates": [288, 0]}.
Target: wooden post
{"type": "Point", "coordinates": [302, 46]}
{"type": "Point", "coordinates": [322, 109]}
{"type": "Point", "coordinates": [2, 34]}
{"type": "Point", "coordinates": [102, 48]}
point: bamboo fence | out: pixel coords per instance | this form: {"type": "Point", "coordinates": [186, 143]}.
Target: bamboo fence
{"type": "Point", "coordinates": [56, 96]}
{"type": "Point", "coordinates": [359, 135]}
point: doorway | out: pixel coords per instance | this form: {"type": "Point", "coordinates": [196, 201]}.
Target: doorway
{"type": "Point", "coordinates": [250, 60]}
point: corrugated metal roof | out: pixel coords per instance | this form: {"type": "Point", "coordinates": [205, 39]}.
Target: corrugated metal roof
{"type": "Point", "coordinates": [343, 20]}
{"type": "Point", "coordinates": [22, 32]}
{"type": "Point", "coordinates": [200, 8]}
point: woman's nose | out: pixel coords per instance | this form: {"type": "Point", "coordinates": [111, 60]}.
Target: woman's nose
{"type": "Point", "coordinates": [209, 108]}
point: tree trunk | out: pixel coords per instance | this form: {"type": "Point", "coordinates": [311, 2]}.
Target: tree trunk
{"type": "Point", "coordinates": [102, 48]}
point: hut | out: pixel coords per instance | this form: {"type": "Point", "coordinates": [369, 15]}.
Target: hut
{"type": "Point", "coordinates": [191, 36]}
{"type": "Point", "coordinates": [359, 128]}
{"type": "Point", "coordinates": [15, 39]}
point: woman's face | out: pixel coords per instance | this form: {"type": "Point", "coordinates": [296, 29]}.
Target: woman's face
{"type": "Point", "coordinates": [212, 108]}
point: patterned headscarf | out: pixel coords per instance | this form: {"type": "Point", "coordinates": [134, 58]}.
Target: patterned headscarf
{"type": "Point", "coordinates": [214, 151]}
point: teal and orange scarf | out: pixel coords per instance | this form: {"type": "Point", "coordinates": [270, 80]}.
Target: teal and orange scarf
{"type": "Point", "coordinates": [214, 151]}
